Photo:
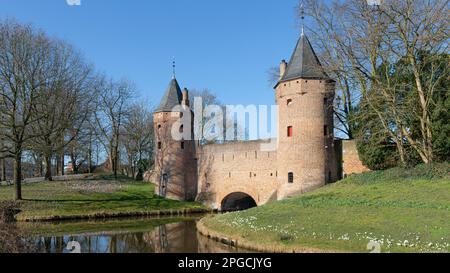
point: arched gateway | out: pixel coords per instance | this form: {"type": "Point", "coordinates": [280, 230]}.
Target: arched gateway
{"type": "Point", "coordinates": [237, 201]}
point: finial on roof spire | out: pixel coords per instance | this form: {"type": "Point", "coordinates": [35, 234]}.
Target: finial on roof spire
{"type": "Point", "coordinates": [173, 67]}
{"type": "Point", "coordinates": [302, 12]}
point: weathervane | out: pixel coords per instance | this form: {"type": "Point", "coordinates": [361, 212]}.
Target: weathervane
{"type": "Point", "coordinates": [302, 13]}
{"type": "Point", "coordinates": [173, 67]}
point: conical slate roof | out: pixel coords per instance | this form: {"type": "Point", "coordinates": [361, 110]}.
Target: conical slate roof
{"type": "Point", "coordinates": [172, 97]}
{"type": "Point", "coordinates": [304, 63]}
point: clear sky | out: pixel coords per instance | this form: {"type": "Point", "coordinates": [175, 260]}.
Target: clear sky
{"type": "Point", "coordinates": [226, 46]}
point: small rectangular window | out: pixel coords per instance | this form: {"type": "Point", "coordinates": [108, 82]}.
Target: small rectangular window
{"type": "Point", "coordinates": [182, 145]}
{"type": "Point", "coordinates": [290, 131]}
{"type": "Point", "coordinates": [159, 145]}
{"type": "Point", "coordinates": [291, 178]}
{"type": "Point", "coordinates": [325, 130]}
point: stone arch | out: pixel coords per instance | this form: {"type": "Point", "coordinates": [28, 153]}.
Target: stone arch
{"type": "Point", "coordinates": [237, 201]}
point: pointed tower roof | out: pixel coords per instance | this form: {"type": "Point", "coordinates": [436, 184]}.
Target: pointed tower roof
{"type": "Point", "coordinates": [304, 63]}
{"type": "Point", "coordinates": [172, 97]}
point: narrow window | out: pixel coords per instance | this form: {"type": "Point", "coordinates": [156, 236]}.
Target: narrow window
{"type": "Point", "coordinates": [229, 174]}
{"type": "Point", "coordinates": [223, 157]}
{"type": "Point", "coordinates": [325, 101]}
{"type": "Point", "coordinates": [290, 131]}
{"type": "Point", "coordinates": [159, 126]}
{"type": "Point", "coordinates": [181, 128]}
{"type": "Point", "coordinates": [291, 178]}
{"type": "Point", "coordinates": [159, 145]}
{"type": "Point", "coordinates": [289, 102]}
{"type": "Point", "coordinates": [182, 145]}
{"type": "Point", "coordinates": [325, 130]}
{"type": "Point", "coordinates": [250, 174]}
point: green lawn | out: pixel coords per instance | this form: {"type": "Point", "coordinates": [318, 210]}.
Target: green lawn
{"type": "Point", "coordinates": [102, 195]}
{"type": "Point", "coordinates": [403, 210]}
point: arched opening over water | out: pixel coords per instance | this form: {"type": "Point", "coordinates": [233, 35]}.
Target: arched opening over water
{"type": "Point", "coordinates": [237, 201]}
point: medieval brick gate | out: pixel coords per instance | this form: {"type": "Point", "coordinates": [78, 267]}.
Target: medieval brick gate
{"type": "Point", "coordinates": [241, 174]}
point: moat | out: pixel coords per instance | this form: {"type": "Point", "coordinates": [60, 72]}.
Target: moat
{"type": "Point", "coordinates": [141, 235]}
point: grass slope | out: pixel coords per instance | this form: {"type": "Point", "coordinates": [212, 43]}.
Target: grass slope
{"type": "Point", "coordinates": [102, 195]}
{"type": "Point", "coordinates": [402, 210]}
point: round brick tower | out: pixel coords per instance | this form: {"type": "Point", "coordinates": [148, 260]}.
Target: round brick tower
{"type": "Point", "coordinates": [175, 164]}
{"type": "Point", "coordinates": [304, 95]}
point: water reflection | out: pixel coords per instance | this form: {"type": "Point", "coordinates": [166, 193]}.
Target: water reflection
{"type": "Point", "coordinates": [178, 237]}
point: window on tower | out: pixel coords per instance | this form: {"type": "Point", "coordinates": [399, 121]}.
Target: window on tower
{"type": "Point", "coordinates": [289, 102]}
{"type": "Point", "coordinates": [159, 145]}
{"type": "Point", "coordinates": [290, 131]}
{"type": "Point", "coordinates": [182, 145]}
{"type": "Point", "coordinates": [325, 130]}
{"type": "Point", "coordinates": [291, 178]}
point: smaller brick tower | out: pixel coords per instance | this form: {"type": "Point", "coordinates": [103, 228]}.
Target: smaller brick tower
{"type": "Point", "coordinates": [304, 95]}
{"type": "Point", "coordinates": [175, 170]}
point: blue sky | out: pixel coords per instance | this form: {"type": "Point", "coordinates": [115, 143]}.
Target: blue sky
{"type": "Point", "coordinates": [226, 46]}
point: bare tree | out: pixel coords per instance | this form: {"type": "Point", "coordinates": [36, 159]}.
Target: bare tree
{"type": "Point", "coordinates": [65, 103]}
{"type": "Point", "coordinates": [23, 66]}
{"type": "Point", "coordinates": [113, 107]}
{"type": "Point", "coordinates": [138, 140]}
{"type": "Point", "coordinates": [361, 43]}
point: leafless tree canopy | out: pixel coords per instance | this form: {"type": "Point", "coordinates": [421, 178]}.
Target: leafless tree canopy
{"type": "Point", "coordinates": [54, 105]}
{"type": "Point", "coordinates": [360, 45]}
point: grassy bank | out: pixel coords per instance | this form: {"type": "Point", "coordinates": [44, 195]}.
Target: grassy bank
{"type": "Point", "coordinates": [101, 196]}
{"type": "Point", "coordinates": [402, 210]}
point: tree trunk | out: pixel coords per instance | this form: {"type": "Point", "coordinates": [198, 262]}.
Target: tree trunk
{"type": "Point", "coordinates": [3, 175]}
{"type": "Point", "coordinates": [58, 166]}
{"type": "Point", "coordinates": [90, 159]}
{"type": "Point", "coordinates": [18, 175]}
{"type": "Point", "coordinates": [41, 167]}
{"type": "Point", "coordinates": [48, 168]}
{"type": "Point", "coordinates": [74, 164]}
{"type": "Point", "coordinates": [62, 172]}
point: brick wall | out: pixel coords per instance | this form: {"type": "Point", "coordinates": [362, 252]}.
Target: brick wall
{"type": "Point", "coordinates": [351, 161]}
